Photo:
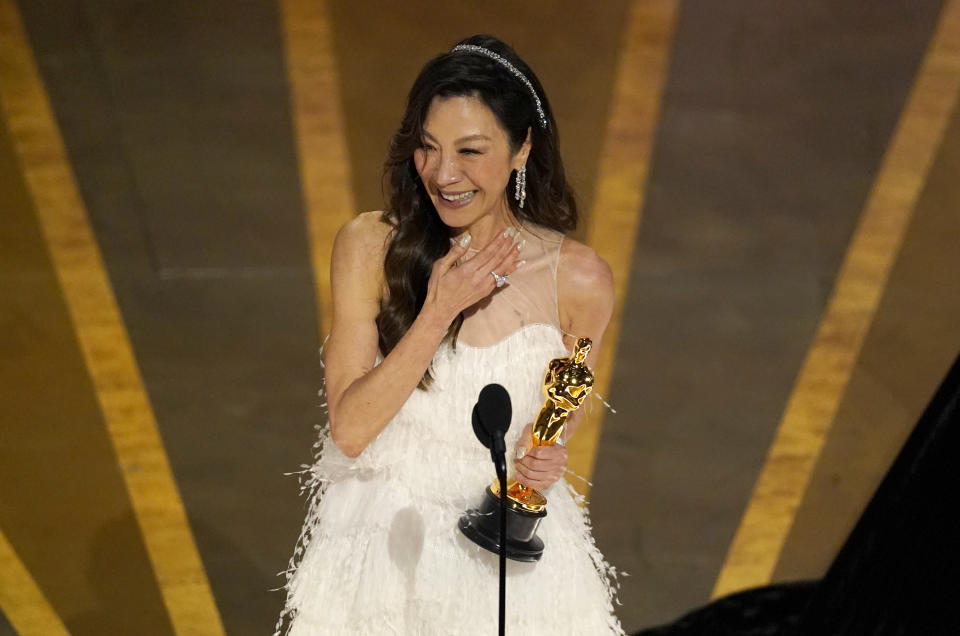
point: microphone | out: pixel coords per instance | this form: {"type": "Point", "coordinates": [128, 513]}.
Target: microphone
{"type": "Point", "coordinates": [491, 419]}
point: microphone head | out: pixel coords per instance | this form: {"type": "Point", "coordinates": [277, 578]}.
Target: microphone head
{"type": "Point", "coordinates": [492, 414]}
{"type": "Point", "coordinates": [478, 428]}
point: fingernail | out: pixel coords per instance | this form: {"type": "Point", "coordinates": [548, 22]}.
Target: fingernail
{"type": "Point", "coordinates": [453, 241]}
{"type": "Point", "coordinates": [520, 263]}
{"type": "Point", "coordinates": [521, 244]}
{"type": "Point", "coordinates": [465, 240]}
{"type": "Point", "coordinates": [510, 232]}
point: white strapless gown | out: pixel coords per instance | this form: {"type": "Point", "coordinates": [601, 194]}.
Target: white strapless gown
{"type": "Point", "coordinates": [381, 552]}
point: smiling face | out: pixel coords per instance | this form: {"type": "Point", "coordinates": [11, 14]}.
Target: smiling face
{"type": "Point", "coordinates": [466, 161]}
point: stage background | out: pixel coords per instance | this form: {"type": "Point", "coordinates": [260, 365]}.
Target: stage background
{"type": "Point", "coordinates": [774, 184]}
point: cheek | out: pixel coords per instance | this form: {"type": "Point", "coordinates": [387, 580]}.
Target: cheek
{"type": "Point", "coordinates": [493, 176]}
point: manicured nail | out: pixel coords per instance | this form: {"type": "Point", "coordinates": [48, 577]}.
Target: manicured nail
{"type": "Point", "coordinates": [466, 240]}
{"type": "Point", "coordinates": [453, 241]}
{"type": "Point", "coordinates": [521, 245]}
{"type": "Point", "coordinates": [519, 263]}
{"type": "Point", "coordinates": [510, 232]}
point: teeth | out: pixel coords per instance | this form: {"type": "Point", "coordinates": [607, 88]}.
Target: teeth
{"type": "Point", "coordinates": [457, 197]}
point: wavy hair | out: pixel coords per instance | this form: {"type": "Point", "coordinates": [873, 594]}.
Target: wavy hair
{"type": "Point", "coordinates": [418, 237]}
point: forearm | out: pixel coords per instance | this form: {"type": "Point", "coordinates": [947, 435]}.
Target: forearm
{"type": "Point", "coordinates": [365, 407]}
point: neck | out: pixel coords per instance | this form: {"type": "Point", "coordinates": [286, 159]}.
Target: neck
{"type": "Point", "coordinates": [489, 227]}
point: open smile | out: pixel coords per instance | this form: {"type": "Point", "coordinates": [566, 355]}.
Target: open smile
{"type": "Point", "coordinates": [454, 200]}
{"type": "Point", "coordinates": [457, 197]}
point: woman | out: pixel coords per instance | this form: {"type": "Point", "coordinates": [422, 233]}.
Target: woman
{"type": "Point", "coordinates": [464, 281]}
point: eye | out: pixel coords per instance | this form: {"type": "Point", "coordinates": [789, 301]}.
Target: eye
{"type": "Point", "coordinates": [426, 146]}
{"type": "Point", "coordinates": [470, 151]}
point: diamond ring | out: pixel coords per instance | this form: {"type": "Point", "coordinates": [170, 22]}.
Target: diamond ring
{"type": "Point", "coordinates": [501, 280]}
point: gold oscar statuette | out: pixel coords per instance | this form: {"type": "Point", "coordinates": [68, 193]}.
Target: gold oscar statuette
{"type": "Point", "coordinates": [567, 383]}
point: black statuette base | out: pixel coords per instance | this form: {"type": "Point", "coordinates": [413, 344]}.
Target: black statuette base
{"type": "Point", "coordinates": [482, 526]}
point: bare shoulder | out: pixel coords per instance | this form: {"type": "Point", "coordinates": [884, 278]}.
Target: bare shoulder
{"type": "Point", "coordinates": [358, 252]}
{"type": "Point", "coordinates": [583, 271]}
{"type": "Point", "coordinates": [362, 240]}
{"type": "Point", "coordinates": [584, 284]}
{"type": "Point", "coordinates": [364, 233]}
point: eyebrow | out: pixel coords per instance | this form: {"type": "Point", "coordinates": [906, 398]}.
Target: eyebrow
{"type": "Point", "coordinates": [476, 137]}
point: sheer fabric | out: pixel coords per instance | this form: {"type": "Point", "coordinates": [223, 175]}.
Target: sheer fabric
{"type": "Point", "coordinates": [529, 298]}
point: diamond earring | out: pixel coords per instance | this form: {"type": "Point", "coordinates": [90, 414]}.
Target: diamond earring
{"type": "Point", "coordinates": [520, 192]}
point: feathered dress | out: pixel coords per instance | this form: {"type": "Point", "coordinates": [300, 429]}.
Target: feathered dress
{"type": "Point", "coordinates": [380, 552]}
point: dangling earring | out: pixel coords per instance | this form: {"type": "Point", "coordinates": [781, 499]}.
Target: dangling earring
{"type": "Point", "coordinates": [520, 192]}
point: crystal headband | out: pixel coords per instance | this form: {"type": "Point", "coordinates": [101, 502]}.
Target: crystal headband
{"type": "Point", "coordinates": [473, 48]}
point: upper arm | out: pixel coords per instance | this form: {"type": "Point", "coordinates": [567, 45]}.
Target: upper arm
{"type": "Point", "coordinates": [356, 280]}
{"type": "Point", "coordinates": [585, 295]}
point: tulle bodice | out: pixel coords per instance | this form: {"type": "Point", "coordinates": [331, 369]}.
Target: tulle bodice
{"type": "Point", "coordinates": [529, 298]}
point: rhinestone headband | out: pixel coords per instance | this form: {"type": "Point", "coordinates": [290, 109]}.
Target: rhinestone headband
{"type": "Point", "coordinates": [473, 48]}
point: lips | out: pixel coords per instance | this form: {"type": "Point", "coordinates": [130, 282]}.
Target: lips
{"type": "Point", "coordinates": [458, 196]}
{"type": "Point", "coordinates": [455, 199]}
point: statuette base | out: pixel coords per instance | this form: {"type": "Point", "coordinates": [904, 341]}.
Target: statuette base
{"type": "Point", "coordinates": [482, 526]}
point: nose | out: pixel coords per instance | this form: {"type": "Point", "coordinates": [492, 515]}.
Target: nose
{"type": "Point", "coordinates": [448, 171]}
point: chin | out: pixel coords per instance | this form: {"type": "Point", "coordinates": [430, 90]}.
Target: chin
{"type": "Point", "coordinates": [456, 219]}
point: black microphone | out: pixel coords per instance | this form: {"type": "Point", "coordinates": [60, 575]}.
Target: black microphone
{"type": "Point", "coordinates": [491, 419]}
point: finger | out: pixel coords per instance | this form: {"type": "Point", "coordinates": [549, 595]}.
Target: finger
{"type": "Point", "coordinates": [536, 485]}
{"type": "Point", "coordinates": [530, 478]}
{"type": "Point", "coordinates": [540, 472]}
{"type": "Point", "coordinates": [534, 464]}
{"type": "Point", "coordinates": [492, 253]}
{"type": "Point", "coordinates": [457, 249]}
{"type": "Point", "coordinates": [508, 264]}
{"type": "Point", "coordinates": [549, 475]}
{"type": "Point", "coordinates": [506, 260]}
{"type": "Point", "coordinates": [540, 481]}
{"type": "Point", "coordinates": [484, 274]}
{"type": "Point", "coordinates": [554, 451]}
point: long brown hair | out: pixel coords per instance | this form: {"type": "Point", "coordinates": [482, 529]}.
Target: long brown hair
{"type": "Point", "coordinates": [419, 237]}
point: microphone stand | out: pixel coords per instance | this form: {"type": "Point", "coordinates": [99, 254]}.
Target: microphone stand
{"type": "Point", "coordinates": [491, 419]}
{"type": "Point", "coordinates": [498, 450]}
